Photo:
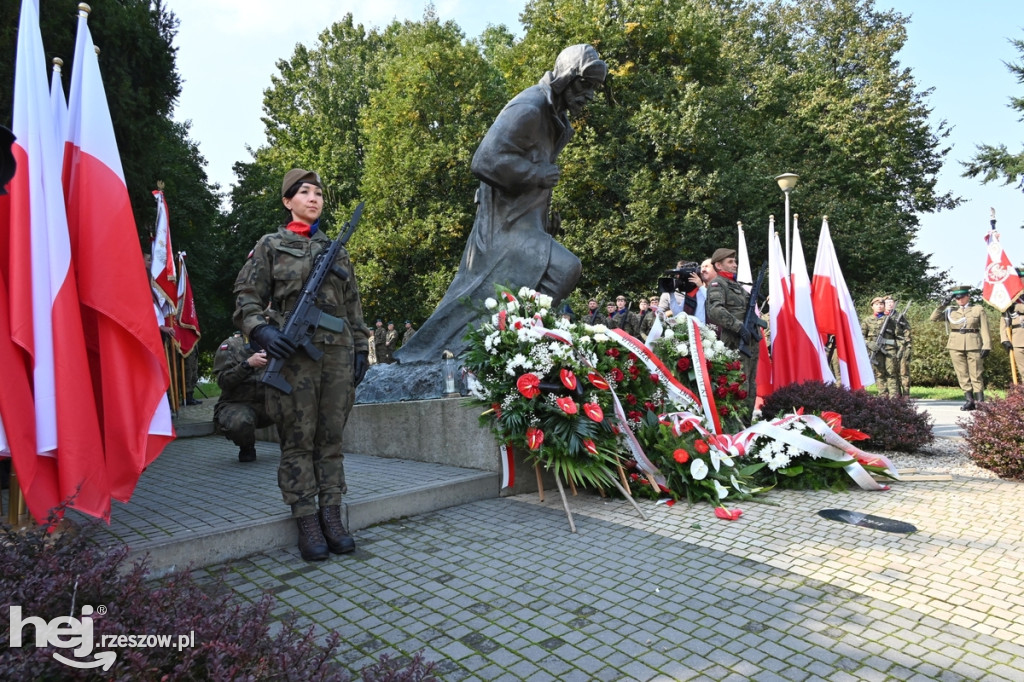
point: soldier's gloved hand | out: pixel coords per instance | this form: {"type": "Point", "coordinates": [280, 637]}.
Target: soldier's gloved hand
{"type": "Point", "coordinates": [1007, 345]}
{"type": "Point", "coordinates": [745, 334]}
{"type": "Point", "coordinates": [984, 353]}
{"type": "Point", "coordinates": [360, 364]}
{"type": "Point", "coordinates": [273, 341]}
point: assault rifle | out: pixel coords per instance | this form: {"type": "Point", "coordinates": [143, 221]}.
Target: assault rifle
{"type": "Point", "coordinates": [304, 319]}
{"type": "Point", "coordinates": [896, 317]}
{"type": "Point", "coordinates": [752, 322]}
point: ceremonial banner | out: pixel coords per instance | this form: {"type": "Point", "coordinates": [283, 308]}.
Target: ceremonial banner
{"type": "Point", "coordinates": [1001, 285]}
{"type": "Point", "coordinates": [162, 262]}
{"type": "Point", "coordinates": [186, 320]}
{"type": "Point", "coordinates": [804, 311]}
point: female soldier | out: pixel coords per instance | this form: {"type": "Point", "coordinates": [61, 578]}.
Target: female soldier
{"type": "Point", "coordinates": [310, 420]}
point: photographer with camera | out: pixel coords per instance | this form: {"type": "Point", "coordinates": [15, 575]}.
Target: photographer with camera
{"type": "Point", "coordinates": [683, 290]}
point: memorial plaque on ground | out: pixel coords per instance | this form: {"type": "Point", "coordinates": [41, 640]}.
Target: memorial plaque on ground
{"type": "Point", "coordinates": [867, 521]}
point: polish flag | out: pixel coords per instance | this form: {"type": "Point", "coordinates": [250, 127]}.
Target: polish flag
{"type": "Point", "coordinates": [795, 357]}
{"type": "Point", "coordinates": [123, 338]}
{"type": "Point", "coordinates": [743, 273]}
{"type": "Point", "coordinates": [186, 321]}
{"type": "Point", "coordinates": [161, 266]}
{"type": "Point", "coordinates": [837, 316]}
{"type": "Point", "coordinates": [66, 457]}
{"type": "Point", "coordinates": [58, 105]}
{"type": "Point", "coordinates": [1001, 285]}
{"type": "Point", "coordinates": [804, 309]}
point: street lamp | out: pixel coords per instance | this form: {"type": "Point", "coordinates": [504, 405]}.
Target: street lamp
{"type": "Point", "coordinates": [787, 181]}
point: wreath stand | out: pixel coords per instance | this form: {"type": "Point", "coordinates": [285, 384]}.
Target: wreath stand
{"type": "Point", "coordinates": [565, 502]}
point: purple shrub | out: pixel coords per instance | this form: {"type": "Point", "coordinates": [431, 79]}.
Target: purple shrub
{"type": "Point", "coordinates": [995, 434]}
{"type": "Point", "coordinates": [893, 423]}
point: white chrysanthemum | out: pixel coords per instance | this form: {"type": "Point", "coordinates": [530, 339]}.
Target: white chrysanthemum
{"type": "Point", "coordinates": [698, 469]}
{"type": "Point", "coordinates": [719, 347]}
{"type": "Point", "coordinates": [491, 303]}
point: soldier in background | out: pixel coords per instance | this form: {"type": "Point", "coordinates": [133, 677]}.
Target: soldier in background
{"type": "Point", "coordinates": [903, 344]}
{"type": "Point", "coordinates": [880, 337]}
{"type": "Point", "coordinates": [390, 343]}
{"type": "Point", "coordinates": [379, 341]}
{"type": "Point", "coordinates": [241, 408]}
{"type": "Point", "coordinates": [969, 342]}
{"type": "Point", "coordinates": [409, 331]}
{"type": "Point", "coordinates": [625, 319]}
{"type": "Point", "coordinates": [593, 315]}
{"type": "Point", "coordinates": [1011, 331]}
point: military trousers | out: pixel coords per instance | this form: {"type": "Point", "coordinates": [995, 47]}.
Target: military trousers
{"type": "Point", "coordinates": [968, 366]}
{"type": "Point", "coordinates": [903, 362]}
{"type": "Point", "coordinates": [239, 421]}
{"type": "Point", "coordinates": [310, 422]}
{"type": "Point", "coordinates": [887, 373]}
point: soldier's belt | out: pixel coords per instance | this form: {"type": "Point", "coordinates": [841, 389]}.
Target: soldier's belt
{"type": "Point", "coordinates": [331, 323]}
{"type": "Point", "coordinates": [967, 331]}
{"type": "Point", "coordinates": [1017, 326]}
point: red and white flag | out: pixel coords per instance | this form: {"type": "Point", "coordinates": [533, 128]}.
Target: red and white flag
{"type": "Point", "coordinates": [59, 105]}
{"type": "Point", "coordinates": [117, 304]}
{"type": "Point", "coordinates": [794, 355]}
{"type": "Point", "coordinates": [161, 265]}
{"type": "Point", "coordinates": [836, 315]}
{"type": "Point", "coordinates": [804, 310]}
{"type": "Point", "coordinates": [743, 273]}
{"type": "Point", "coordinates": [42, 300]}
{"type": "Point", "coordinates": [186, 320]}
{"type": "Point", "coordinates": [1001, 285]}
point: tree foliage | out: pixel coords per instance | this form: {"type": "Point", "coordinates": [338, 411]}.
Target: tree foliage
{"type": "Point", "coordinates": [993, 162]}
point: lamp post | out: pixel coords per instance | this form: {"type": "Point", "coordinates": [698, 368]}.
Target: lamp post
{"type": "Point", "coordinates": [787, 181]}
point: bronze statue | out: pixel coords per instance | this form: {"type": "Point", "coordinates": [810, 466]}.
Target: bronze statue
{"type": "Point", "coordinates": [511, 241]}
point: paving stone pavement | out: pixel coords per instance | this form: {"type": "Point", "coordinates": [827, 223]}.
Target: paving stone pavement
{"type": "Point", "coordinates": [500, 589]}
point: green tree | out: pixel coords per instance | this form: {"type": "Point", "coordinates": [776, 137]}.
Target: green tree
{"type": "Point", "coordinates": [436, 98]}
{"type": "Point", "coordinates": [995, 161]}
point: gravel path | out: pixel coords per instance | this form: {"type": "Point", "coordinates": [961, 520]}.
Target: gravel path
{"type": "Point", "coordinates": [943, 456]}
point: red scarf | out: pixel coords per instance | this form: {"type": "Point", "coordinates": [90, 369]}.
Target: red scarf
{"type": "Point", "coordinates": [727, 275]}
{"type": "Point", "coordinates": [299, 228]}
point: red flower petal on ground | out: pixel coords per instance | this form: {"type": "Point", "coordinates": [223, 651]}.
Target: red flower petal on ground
{"type": "Point", "coordinates": [528, 385]}
{"type": "Point", "coordinates": [534, 437]}
{"type": "Point", "coordinates": [568, 379]}
{"type": "Point", "coordinates": [597, 381]}
{"type": "Point", "coordinates": [594, 411]}
{"type": "Point", "coordinates": [590, 446]}
{"type": "Point", "coordinates": [681, 456]}
{"type": "Point", "coordinates": [568, 405]}
{"type": "Point", "coordinates": [700, 446]}
{"type": "Point", "coordinates": [728, 514]}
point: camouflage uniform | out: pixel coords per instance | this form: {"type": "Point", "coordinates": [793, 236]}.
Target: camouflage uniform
{"type": "Point", "coordinates": [379, 341]}
{"type": "Point", "coordinates": [884, 363]}
{"type": "Point", "coordinates": [390, 342]}
{"type": "Point", "coordinates": [1011, 330]}
{"type": "Point", "coordinates": [726, 307]}
{"type": "Point", "coordinates": [241, 408]}
{"type": "Point", "coordinates": [310, 420]}
{"type": "Point", "coordinates": [903, 352]}
{"type": "Point", "coordinates": [625, 320]}
{"type": "Point", "coordinates": [407, 336]}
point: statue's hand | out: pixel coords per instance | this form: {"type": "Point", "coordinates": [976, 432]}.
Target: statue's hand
{"type": "Point", "coordinates": [549, 176]}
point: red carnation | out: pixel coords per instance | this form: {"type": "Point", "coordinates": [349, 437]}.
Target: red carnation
{"type": "Point", "coordinates": [700, 446]}
{"type": "Point", "coordinates": [681, 456]}
{"type": "Point", "coordinates": [528, 384]}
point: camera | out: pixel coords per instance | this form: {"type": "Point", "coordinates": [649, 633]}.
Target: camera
{"type": "Point", "coordinates": [678, 279]}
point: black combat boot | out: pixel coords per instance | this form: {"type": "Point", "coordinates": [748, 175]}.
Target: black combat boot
{"type": "Point", "coordinates": [981, 396]}
{"type": "Point", "coordinates": [969, 404]}
{"type": "Point", "coordinates": [190, 399]}
{"type": "Point", "coordinates": [247, 453]}
{"type": "Point", "coordinates": [312, 545]}
{"type": "Point", "coordinates": [338, 538]}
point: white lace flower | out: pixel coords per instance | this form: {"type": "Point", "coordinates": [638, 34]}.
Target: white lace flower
{"type": "Point", "coordinates": [491, 303]}
{"type": "Point", "coordinates": [698, 469]}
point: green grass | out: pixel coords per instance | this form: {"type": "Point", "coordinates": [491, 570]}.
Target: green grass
{"type": "Point", "coordinates": [207, 389]}
{"type": "Point", "coordinates": [942, 392]}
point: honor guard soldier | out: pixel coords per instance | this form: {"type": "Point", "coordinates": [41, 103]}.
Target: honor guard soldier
{"type": "Point", "coordinates": [726, 307]}
{"type": "Point", "coordinates": [969, 342]}
{"type": "Point", "coordinates": [880, 337]}
{"type": "Point", "coordinates": [241, 407]}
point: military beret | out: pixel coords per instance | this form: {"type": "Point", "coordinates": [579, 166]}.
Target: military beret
{"type": "Point", "coordinates": [721, 254]}
{"type": "Point", "coordinates": [877, 299]}
{"type": "Point", "coordinates": [296, 175]}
